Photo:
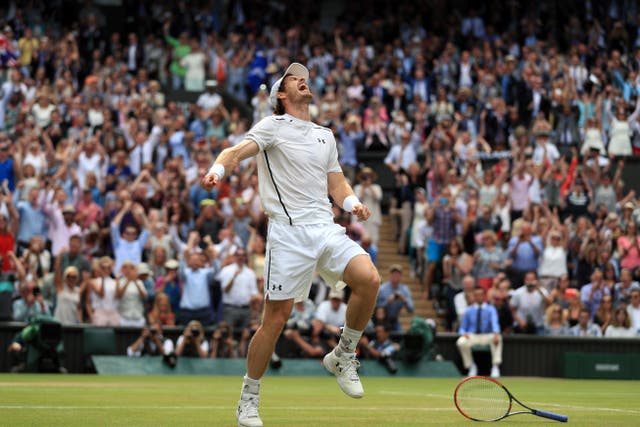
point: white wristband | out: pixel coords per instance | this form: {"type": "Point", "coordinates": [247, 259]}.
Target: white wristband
{"type": "Point", "coordinates": [350, 202]}
{"type": "Point", "coordinates": [218, 169]}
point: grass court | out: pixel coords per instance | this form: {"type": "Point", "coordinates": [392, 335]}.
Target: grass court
{"type": "Point", "coordinates": [90, 400]}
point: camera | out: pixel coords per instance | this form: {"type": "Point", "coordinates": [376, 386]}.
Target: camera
{"type": "Point", "coordinates": [36, 291]}
{"type": "Point", "coordinates": [195, 332]}
{"type": "Point", "coordinates": [153, 331]}
{"type": "Point", "coordinates": [389, 363]}
{"type": "Point", "coordinates": [224, 334]}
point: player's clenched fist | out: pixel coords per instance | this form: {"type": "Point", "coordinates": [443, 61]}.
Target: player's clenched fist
{"type": "Point", "coordinates": [361, 211]}
{"type": "Point", "coordinates": [209, 181]}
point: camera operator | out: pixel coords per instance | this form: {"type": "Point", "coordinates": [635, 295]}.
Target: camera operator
{"type": "Point", "coordinates": [382, 348]}
{"type": "Point", "coordinates": [222, 343]}
{"type": "Point", "coordinates": [394, 295]}
{"type": "Point", "coordinates": [151, 342]}
{"type": "Point", "coordinates": [192, 343]}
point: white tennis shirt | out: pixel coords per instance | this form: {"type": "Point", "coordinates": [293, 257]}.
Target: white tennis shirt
{"type": "Point", "coordinates": [295, 157]}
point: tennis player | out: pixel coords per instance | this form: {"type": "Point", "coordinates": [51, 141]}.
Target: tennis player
{"type": "Point", "coordinates": [298, 169]}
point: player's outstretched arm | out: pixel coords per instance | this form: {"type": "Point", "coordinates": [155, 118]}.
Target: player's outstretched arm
{"type": "Point", "coordinates": [343, 195]}
{"type": "Point", "coordinates": [228, 160]}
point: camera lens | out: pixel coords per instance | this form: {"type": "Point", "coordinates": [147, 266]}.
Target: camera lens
{"type": "Point", "coordinates": [195, 332]}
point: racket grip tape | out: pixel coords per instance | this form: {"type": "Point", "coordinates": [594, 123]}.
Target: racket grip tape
{"type": "Point", "coordinates": [551, 415]}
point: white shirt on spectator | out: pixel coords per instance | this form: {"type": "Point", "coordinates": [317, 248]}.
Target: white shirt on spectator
{"type": "Point", "coordinates": [401, 155]}
{"type": "Point", "coordinates": [88, 164]}
{"type": "Point", "coordinates": [553, 262]}
{"type": "Point", "coordinates": [634, 316]}
{"type": "Point", "coordinates": [245, 284]}
{"type": "Point", "coordinates": [552, 153]}
{"type": "Point", "coordinates": [209, 101]}
{"type": "Point", "coordinates": [329, 316]}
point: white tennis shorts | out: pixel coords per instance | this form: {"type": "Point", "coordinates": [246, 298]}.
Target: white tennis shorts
{"type": "Point", "coordinates": [293, 253]}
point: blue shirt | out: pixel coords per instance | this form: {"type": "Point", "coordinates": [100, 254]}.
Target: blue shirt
{"type": "Point", "coordinates": [349, 146]}
{"type": "Point", "coordinates": [197, 194]}
{"type": "Point", "coordinates": [195, 289]}
{"type": "Point", "coordinates": [488, 320]}
{"type": "Point", "coordinates": [125, 250]}
{"type": "Point", "coordinates": [592, 302]}
{"type": "Point", "coordinates": [393, 308]}
{"type": "Point", "coordinates": [6, 172]}
{"type": "Point", "coordinates": [32, 221]}
{"type": "Point", "coordinates": [525, 258]}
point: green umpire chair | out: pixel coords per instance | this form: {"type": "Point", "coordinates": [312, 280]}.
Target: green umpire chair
{"type": "Point", "coordinates": [97, 341]}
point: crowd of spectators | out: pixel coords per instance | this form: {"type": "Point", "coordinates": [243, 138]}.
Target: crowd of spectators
{"type": "Point", "coordinates": [506, 130]}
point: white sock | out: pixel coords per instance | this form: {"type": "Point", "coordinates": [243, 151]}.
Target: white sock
{"type": "Point", "coordinates": [250, 386]}
{"type": "Point", "coordinates": [348, 341]}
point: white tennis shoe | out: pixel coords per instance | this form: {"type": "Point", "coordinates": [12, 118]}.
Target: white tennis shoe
{"type": "Point", "coordinates": [345, 368]}
{"type": "Point", "coordinates": [247, 412]}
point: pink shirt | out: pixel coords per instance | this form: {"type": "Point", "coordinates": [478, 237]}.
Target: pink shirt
{"type": "Point", "coordinates": [93, 213]}
{"type": "Point", "coordinates": [632, 258]}
{"type": "Point", "coordinates": [520, 192]}
{"type": "Point", "coordinates": [59, 232]}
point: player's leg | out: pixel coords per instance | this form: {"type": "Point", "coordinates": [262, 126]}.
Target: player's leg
{"type": "Point", "coordinates": [363, 279]}
{"type": "Point", "coordinates": [261, 348]}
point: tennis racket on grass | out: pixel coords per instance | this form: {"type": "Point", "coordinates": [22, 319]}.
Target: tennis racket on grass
{"type": "Point", "coordinates": [485, 399]}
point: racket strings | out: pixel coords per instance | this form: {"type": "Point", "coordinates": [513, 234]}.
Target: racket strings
{"type": "Point", "coordinates": [482, 399]}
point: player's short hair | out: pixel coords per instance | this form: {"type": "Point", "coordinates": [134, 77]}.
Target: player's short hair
{"type": "Point", "coordinates": [278, 110]}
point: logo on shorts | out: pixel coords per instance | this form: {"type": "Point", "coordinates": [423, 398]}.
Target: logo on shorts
{"type": "Point", "coordinates": [274, 287]}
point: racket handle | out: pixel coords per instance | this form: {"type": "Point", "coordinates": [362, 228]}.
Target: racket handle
{"type": "Point", "coordinates": [551, 416]}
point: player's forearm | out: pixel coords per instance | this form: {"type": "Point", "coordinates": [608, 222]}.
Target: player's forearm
{"type": "Point", "coordinates": [230, 157]}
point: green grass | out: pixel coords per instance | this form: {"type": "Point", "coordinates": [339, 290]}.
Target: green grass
{"type": "Point", "coordinates": [83, 400]}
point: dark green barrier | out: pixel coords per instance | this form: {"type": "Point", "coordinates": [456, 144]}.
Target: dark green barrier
{"type": "Point", "coordinates": [602, 365]}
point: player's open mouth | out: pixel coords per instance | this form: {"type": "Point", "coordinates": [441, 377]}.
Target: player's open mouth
{"type": "Point", "coordinates": [303, 87]}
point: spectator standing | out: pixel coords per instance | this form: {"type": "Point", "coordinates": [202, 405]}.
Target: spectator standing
{"type": "Point", "coordinates": [129, 245]}
{"type": "Point", "coordinates": [69, 289]}
{"type": "Point", "coordinates": [103, 304]}
{"type": "Point", "coordinates": [195, 271]}
{"type": "Point", "coordinates": [239, 284]}
{"type": "Point", "coordinates": [480, 326]}
{"type": "Point", "coordinates": [443, 217]}
{"type": "Point", "coordinates": [131, 293]}
{"type": "Point", "coordinates": [528, 304]}
{"type": "Point", "coordinates": [370, 193]}
{"type": "Point", "coordinates": [170, 285]}
{"type": "Point", "coordinates": [523, 252]}
{"type": "Point", "coordinates": [394, 296]}
{"type": "Point", "coordinates": [32, 219]}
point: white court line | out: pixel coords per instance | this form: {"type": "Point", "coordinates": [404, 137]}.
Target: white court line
{"type": "Point", "coordinates": [312, 408]}
{"type": "Point", "coordinates": [555, 405]}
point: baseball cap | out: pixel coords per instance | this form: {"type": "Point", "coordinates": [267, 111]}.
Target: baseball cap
{"type": "Point", "coordinates": [295, 69]}
{"type": "Point", "coordinates": [69, 209]}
